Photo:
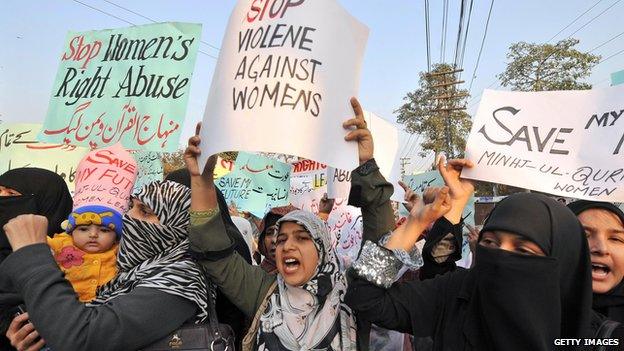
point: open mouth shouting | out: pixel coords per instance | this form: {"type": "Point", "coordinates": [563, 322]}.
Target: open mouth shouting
{"type": "Point", "coordinates": [600, 271]}
{"type": "Point", "coordinates": [291, 265]}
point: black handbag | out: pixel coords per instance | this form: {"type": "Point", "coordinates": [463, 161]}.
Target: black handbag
{"type": "Point", "coordinates": [211, 336]}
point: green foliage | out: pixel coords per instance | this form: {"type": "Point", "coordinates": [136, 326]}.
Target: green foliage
{"type": "Point", "coordinates": [418, 116]}
{"type": "Point", "coordinates": [543, 67]}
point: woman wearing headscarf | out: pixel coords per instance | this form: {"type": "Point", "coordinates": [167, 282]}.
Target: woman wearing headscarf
{"type": "Point", "coordinates": [32, 190]}
{"type": "Point", "coordinates": [603, 223]}
{"type": "Point", "coordinates": [530, 284]}
{"type": "Point", "coordinates": [28, 190]}
{"type": "Point", "coordinates": [299, 308]}
{"type": "Point", "coordinates": [266, 239]}
{"type": "Point", "coordinates": [157, 289]}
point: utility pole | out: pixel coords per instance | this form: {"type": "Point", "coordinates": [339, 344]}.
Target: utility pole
{"type": "Point", "coordinates": [446, 99]}
{"type": "Point", "coordinates": [404, 162]}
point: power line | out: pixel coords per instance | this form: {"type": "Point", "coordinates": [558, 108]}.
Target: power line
{"type": "Point", "coordinates": [461, 62]}
{"type": "Point", "coordinates": [460, 28]}
{"type": "Point", "coordinates": [574, 21]}
{"type": "Point", "coordinates": [104, 12]}
{"type": "Point", "coordinates": [126, 21]}
{"type": "Point", "coordinates": [606, 42]}
{"type": "Point", "coordinates": [487, 23]}
{"type": "Point", "coordinates": [152, 20]}
{"type": "Point", "coordinates": [403, 148]}
{"type": "Point", "coordinates": [428, 35]}
{"type": "Point", "coordinates": [605, 59]}
{"type": "Point", "coordinates": [444, 28]}
{"type": "Point", "coordinates": [594, 18]}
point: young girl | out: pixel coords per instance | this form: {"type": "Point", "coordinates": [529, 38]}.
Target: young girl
{"type": "Point", "coordinates": [603, 223]}
{"type": "Point", "coordinates": [87, 252]}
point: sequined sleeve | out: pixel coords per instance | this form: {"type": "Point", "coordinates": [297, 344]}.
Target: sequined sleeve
{"type": "Point", "coordinates": [377, 265]}
{"type": "Point", "coordinates": [411, 260]}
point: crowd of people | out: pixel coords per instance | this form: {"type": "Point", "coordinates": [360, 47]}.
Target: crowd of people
{"type": "Point", "coordinates": [87, 274]}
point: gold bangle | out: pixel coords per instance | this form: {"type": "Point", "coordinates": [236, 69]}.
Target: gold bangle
{"type": "Point", "coordinates": [204, 214]}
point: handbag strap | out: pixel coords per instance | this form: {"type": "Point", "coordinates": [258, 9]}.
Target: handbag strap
{"type": "Point", "coordinates": [213, 321]}
{"type": "Point", "coordinates": [250, 337]}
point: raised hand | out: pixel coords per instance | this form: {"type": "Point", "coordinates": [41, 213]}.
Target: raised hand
{"type": "Point", "coordinates": [420, 218]}
{"type": "Point", "coordinates": [192, 152]}
{"type": "Point", "coordinates": [460, 189]}
{"type": "Point", "coordinates": [411, 197]}
{"type": "Point", "coordinates": [361, 133]}
{"type": "Point", "coordinates": [430, 213]}
{"type": "Point", "coordinates": [26, 229]}
{"type": "Point", "coordinates": [326, 204]}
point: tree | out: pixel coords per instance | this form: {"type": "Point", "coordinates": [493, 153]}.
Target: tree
{"type": "Point", "coordinates": [172, 161]}
{"type": "Point", "coordinates": [423, 114]}
{"type": "Point", "coordinates": [541, 67]}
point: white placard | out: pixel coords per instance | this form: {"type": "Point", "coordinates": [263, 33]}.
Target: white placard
{"type": "Point", "coordinates": [285, 74]}
{"type": "Point", "coordinates": [386, 144]}
{"type": "Point", "coordinates": [568, 143]}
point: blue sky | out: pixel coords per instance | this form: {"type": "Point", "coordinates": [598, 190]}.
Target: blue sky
{"type": "Point", "coordinates": [32, 35]}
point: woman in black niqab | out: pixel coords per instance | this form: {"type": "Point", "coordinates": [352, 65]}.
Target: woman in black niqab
{"type": "Point", "coordinates": [547, 297]}
{"type": "Point", "coordinates": [42, 192]}
{"type": "Point", "coordinates": [511, 299]}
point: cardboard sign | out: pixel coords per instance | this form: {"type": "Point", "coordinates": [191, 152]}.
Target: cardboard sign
{"type": "Point", "coordinates": [568, 143]}
{"type": "Point", "coordinates": [128, 85]}
{"type": "Point", "coordinates": [617, 78]}
{"type": "Point", "coordinates": [256, 184]}
{"type": "Point", "coordinates": [150, 168]}
{"type": "Point", "coordinates": [286, 72]}
{"type": "Point", "coordinates": [385, 138]}
{"type": "Point", "coordinates": [19, 148]}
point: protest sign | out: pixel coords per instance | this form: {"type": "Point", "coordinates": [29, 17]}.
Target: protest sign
{"type": "Point", "coordinates": [338, 183]}
{"type": "Point", "coordinates": [617, 78]}
{"type": "Point", "coordinates": [223, 167]}
{"type": "Point", "coordinates": [568, 143]}
{"type": "Point", "coordinates": [286, 71]}
{"type": "Point", "coordinates": [345, 225]}
{"type": "Point", "coordinates": [385, 138]}
{"type": "Point", "coordinates": [420, 182]}
{"type": "Point", "coordinates": [256, 183]}
{"type": "Point", "coordinates": [19, 148]}
{"type": "Point", "coordinates": [150, 168]}
{"type": "Point", "coordinates": [308, 184]}
{"type": "Point", "coordinates": [128, 85]}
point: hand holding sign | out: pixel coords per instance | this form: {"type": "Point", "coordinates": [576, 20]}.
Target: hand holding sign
{"type": "Point", "coordinates": [361, 133]}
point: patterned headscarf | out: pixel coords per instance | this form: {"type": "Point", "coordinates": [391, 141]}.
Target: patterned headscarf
{"type": "Point", "coordinates": [155, 255]}
{"type": "Point", "coordinates": [312, 316]}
